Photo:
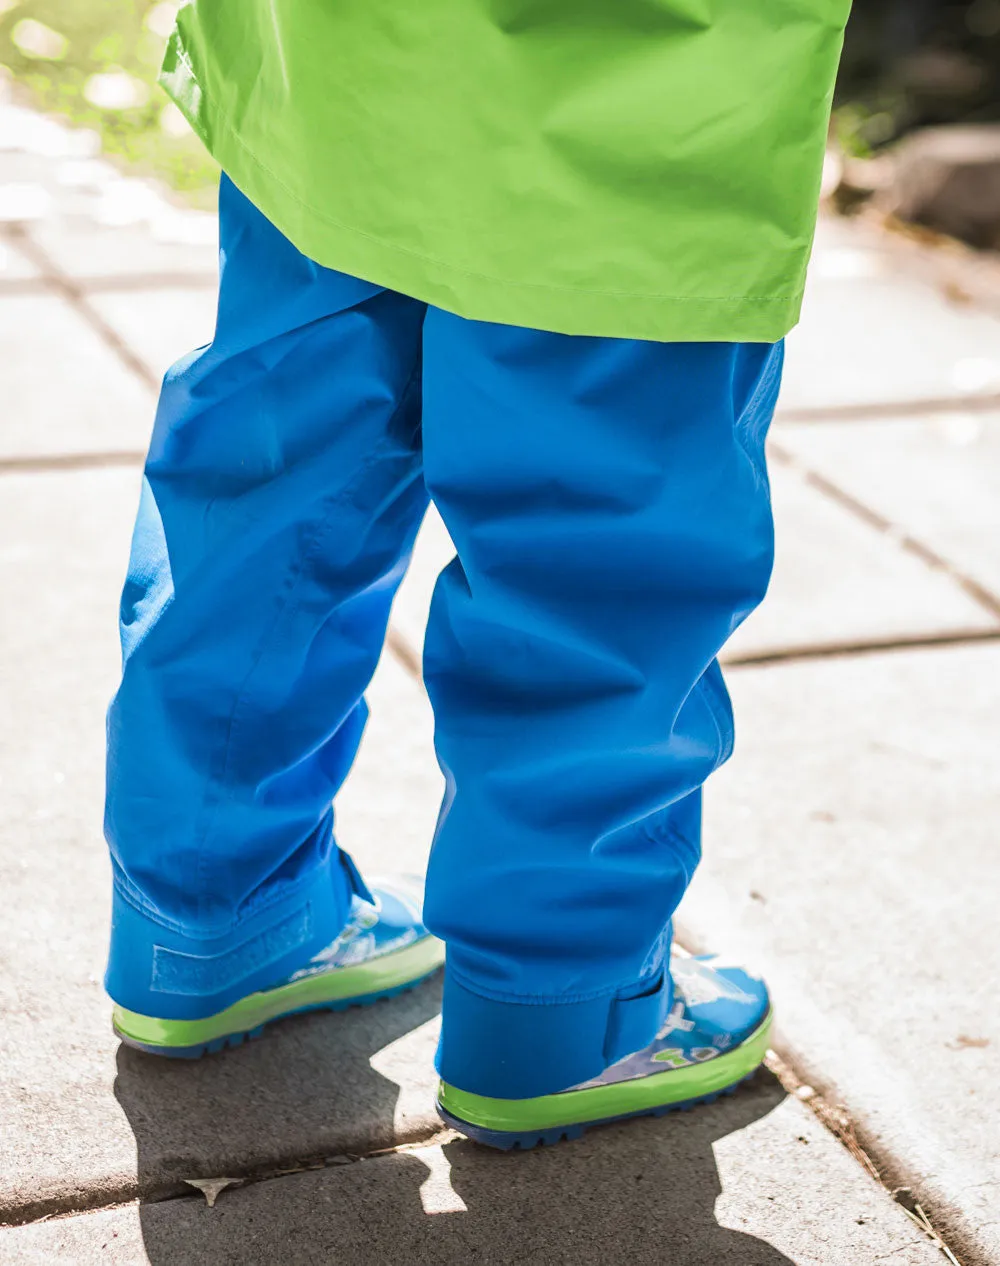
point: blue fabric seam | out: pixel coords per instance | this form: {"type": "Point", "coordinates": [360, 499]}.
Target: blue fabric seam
{"type": "Point", "coordinates": [773, 370]}
{"type": "Point", "coordinates": [685, 846]}
{"type": "Point", "coordinates": [720, 718]}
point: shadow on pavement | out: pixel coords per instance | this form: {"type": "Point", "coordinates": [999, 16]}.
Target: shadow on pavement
{"type": "Point", "coordinates": [305, 1091]}
{"type": "Point", "coordinates": [644, 1191]}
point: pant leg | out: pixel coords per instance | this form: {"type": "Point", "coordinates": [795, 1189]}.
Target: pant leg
{"type": "Point", "coordinates": [609, 504]}
{"type": "Point", "coordinates": [281, 497]}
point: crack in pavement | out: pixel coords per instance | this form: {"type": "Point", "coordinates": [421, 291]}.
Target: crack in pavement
{"type": "Point", "coordinates": [109, 283]}
{"type": "Point", "coordinates": [887, 410]}
{"type": "Point", "coordinates": [984, 597]}
{"type": "Point", "coordinates": [808, 652]}
{"type": "Point", "coordinates": [130, 1194]}
{"type": "Point", "coordinates": [408, 657]}
{"type": "Point", "coordinates": [40, 464]}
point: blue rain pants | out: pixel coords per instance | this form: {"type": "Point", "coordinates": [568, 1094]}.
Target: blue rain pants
{"type": "Point", "coordinates": [609, 504]}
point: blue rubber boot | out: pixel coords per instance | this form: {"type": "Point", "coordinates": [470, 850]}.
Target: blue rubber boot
{"type": "Point", "coordinates": [383, 950]}
{"type": "Point", "coordinates": [714, 1038]}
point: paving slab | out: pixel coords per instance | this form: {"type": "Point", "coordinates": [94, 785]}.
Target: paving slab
{"type": "Point", "coordinates": [14, 264]}
{"type": "Point", "coordinates": [874, 333]}
{"type": "Point", "coordinates": [107, 255]}
{"type": "Point", "coordinates": [81, 1120]}
{"type": "Point", "coordinates": [65, 391]}
{"type": "Point", "coordinates": [433, 552]}
{"type": "Point", "coordinates": [850, 853]}
{"type": "Point", "coordinates": [30, 190]}
{"type": "Point", "coordinates": [98, 224]}
{"type": "Point", "coordinates": [936, 477]}
{"type": "Point", "coordinates": [836, 582]}
{"type": "Point", "coordinates": [159, 325]}
{"type": "Point", "coordinates": [751, 1182]}
{"type": "Point", "coordinates": [389, 807]}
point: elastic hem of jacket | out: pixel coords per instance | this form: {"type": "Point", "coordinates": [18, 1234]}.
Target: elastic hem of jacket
{"type": "Point", "coordinates": [519, 1050]}
{"type": "Point", "coordinates": [477, 297]}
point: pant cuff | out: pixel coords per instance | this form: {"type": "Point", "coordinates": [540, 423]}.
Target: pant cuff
{"type": "Point", "coordinates": [181, 975]}
{"type": "Point", "coordinates": [519, 1050]}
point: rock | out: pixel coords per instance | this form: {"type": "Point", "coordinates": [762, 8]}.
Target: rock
{"type": "Point", "coordinates": [948, 178]}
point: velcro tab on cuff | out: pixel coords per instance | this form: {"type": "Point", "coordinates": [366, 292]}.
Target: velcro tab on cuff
{"type": "Point", "coordinates": [633, 1022]}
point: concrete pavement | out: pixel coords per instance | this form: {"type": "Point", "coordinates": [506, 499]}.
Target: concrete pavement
{"type": "Point", "coordinates": [849, 846]}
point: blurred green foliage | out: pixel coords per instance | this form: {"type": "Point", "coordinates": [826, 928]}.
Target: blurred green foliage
{"type": "Point", "coordinates": [95, 62]}
{"type": "Point", "coordinates": [914, 63]}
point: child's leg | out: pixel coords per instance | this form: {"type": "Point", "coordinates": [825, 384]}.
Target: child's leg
{"type": "Point", "coordinates": [282, 495]}
{"type": "Point", "coordinates": [609, 504]}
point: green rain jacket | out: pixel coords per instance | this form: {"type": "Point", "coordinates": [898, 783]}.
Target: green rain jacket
{"type": "Point", "coordinates": [632, 168]}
